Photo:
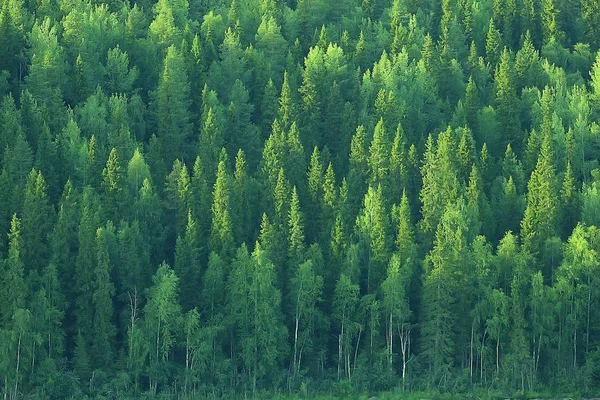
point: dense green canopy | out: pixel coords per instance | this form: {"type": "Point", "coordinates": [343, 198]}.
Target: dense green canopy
{"type": "Point", "coordinates": [233, 198]}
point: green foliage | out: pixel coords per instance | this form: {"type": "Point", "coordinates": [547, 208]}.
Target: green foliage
{"type": "Point", "coordinates": [328, 181]}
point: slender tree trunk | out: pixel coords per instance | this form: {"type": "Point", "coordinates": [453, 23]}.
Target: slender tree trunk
{"type": "Point", "coordinates": [404, 349]}
{"type": "Point", "coordinates": [587, 333]}
{"type": "Point", "coordinates": [356, 350]}
{"type": "Point", "coordinates": [574, 350]}
{"type": "Point", "coordinates": [295, 365]}
{"type": "Point", "coordinates": [18, 365]}
{"type": "Point", "coordinates": [498, 355]}
{"type": "Point", "coordinates": [471, 352]}
{"type": "Point", "coordinates": [481, 356]}
{"type": "Point", "coordinates": [340, 359]}
{"type": "Point", "coordinates": [390, 344]}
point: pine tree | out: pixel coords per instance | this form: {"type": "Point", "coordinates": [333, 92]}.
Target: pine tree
{"type": "Point", "coordinates": [172, 102]}
{"type": "Point", "coordinates": [296, 231]}
{"type": "Point", "coordinates": [398, 164]}
{"type": "Point", "coordinates": [315, 192]}
{"type": "Point", "coordinates": [211, 141]}
{"type": "Point", "coordinates": [569, 203]}
{"type": "Point", "coordinates": [540, 221]}
{"type": "Point", "coordinates": [373, 229]}
{"type": "Point", "coordinates": [358, 173]}
{"type": "Point", "coordinates": [38, 217]}
{"type": "Point", "coordinates": [47, 312]}
{"type": "Point", "coordinates": [221, 235]}
{"type": "Point", "coordinates": [187, 263]}
{"type": "Point", "coordinates": [12, 40]}
{"type": "Point", "coordinates": [103, 292]}
{"type": "Point", "coordinates": [239, 115]}
{"type": "Point", "coordinates": [13, 295]}
{"type": "Point", "coordinates": [440, 183]}
{"type": "Point", "coordinates": [268, 107]}
{"type": "Point", "coordinates": [114, 187]}
{"type": "Point", "coordinates": [493, 45]}
{"type": "Point", "coordinates": [287, 107]}
{"type": "Point", "coordinates": [527, 64]}
{"type": "Point", "coordinates": [507, 102]}
{"type": "Point", "coordinates": [85, 264]}
{"type": "Point", "coordinates": [201, 203]}
{"type": "Point", "coordinates": [590, 14]}
{"type": "Point", "coordinates": [510, 206]}
{"type": "Point", "coordinates": [81, 361]}
{"type": "Point", "coordinates": [472, 105]}
{"type": "Point", "coordinates": [550, 22]}
{"type": "Point", "coordinates": [379, 156]}
{"type": "Point", "coordinates": [442, 283]}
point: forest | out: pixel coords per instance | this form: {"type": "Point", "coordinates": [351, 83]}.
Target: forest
{"type": "Point", "coordinates": [259, 198]}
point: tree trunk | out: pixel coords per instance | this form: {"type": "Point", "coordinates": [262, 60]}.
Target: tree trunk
{"type": "Point", "coordinates": [481, 356]}
{"type": "Point", "coordinates": [471, 352]}
{"type": "Point", "coordinates": [18, 365]}
{"type": "Point", "coordinates": [340, 358]}
{"type": "Point", "coordinates": [295, 365]}
{"type": "Point", "coordinates": [390, 344]}
{"type": "Point", "coordinates": [356, 350]}
{"type": "Point", "coordinates": [404, 343]}
{"type": "Point", "coordinates": [498, 355]}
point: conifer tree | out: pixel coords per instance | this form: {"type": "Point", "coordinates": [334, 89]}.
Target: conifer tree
{"type": "Point", "coordinates": [13, 276]}
{"type": "Point", "coordinates": [187, 263]}
{"type": "Point", "coordinates": [373, 229]}
{"type": "Point", "coordinates": [440, 301]}
{"type": "Point", "coordinates": [103, 293]}
{"type": "Point", "coordinates": [357, 176]}
{"type": "Point", "coordinates": [550, 22]}
{"type": "Point", "coordinates": [38, 217]}
{"type": "Point", "coordinates": [569, 203]}
{"type": "Point", "coordinates": [85, 264]}
{"type": "Point", "coordinates": [591, 17]}
{"type": "Point", "coordinates": [221, 234]}
{"type": "Point", "coordinates": [114, 186]}
{"type": "Point", "coordinates": [440, 183]}
{"type": "Point", "coordinates": [269, 107]}
{"type": "Point", "coordinates": [12, 40]}
{"type": "Point", "coordinates": [296, 231]}
{"type": "Point", "coordinates": [493, 45]}
{"type": "Point", "coordinates": [398, 164]}
{"type": "Point", "coordinates": [211, 140]}
{"type": "Point", "coordinates": [172, 102]}
{"type": "Point", "coordinates": [201, 202]}
{"type": "Point", "coordinates": [510, 206]}
{"type": "Point", "coordinates": [315, 193]}
{"type": "Point", "coordinates": [47, 313]}
{"type": "Point", "coordinates": [540, 220]}
{"type": "Point", "coordinates": [379, 156]}
{"type": "Point", "coordinates": [81, 361]}
{"type": "Point", "coordinates": [507, 102]}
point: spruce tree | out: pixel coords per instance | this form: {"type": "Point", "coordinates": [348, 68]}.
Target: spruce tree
{"type": "Point", "coordinates": [541, 215]}
{"type": "Point", "coordinates": [221, 234]}
{"type": "Point", "coordinates": [13, 296]}
{"type": "Point", "coordinates": [507, 102]}
{"type": "Point", "coordinates": [172, 102]}
{"type": "Point", "coordinates": [38, 217]}
{"type": "Point", "coordinates": [102, 299]}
